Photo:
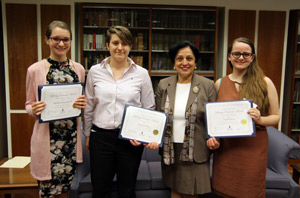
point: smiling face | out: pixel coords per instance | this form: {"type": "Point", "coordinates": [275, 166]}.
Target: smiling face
{"type": "Point", "coordinates": [242, 62]}
{"type": "Point", "coordinates": [118, 49]}
{"type": "Point", "coordinates": [185, 64]}
{"type": "Point", "coordinates": [58, 51]}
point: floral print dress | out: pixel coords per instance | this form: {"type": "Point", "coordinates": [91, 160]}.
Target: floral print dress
{"type": "Point", "coordinates": [63, 138]}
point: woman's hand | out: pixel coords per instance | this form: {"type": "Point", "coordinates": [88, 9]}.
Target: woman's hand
{"type": "Point", "coordinates": [80, 102]}
{"type": "Point", "coordinates": [38, 107]}
{"type": "Point", "coordinates": [255, 115]}
{"type": "Point", "coordinates": [135, 143]}
{"type": "Point", "coordinates": [152, 145]}
{"type": "Point", "coordinates": [212, 143]}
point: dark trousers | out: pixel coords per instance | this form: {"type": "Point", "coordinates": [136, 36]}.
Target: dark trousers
{"type": "Point", "coordinates": [110, 155]}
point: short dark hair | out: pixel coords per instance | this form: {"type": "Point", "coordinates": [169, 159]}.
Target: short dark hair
{"type": "Point", "coordinates": [122, 32]}
{"type": "Point", "coordinates": [59, 24]}
{"type": "Point", "coordinates": [182, 44]}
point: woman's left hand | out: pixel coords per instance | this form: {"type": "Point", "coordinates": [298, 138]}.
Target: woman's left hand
{"type": "Point", "coordinates": [255, 114]}
{"type": "Point", "coordinates": [80, 102]}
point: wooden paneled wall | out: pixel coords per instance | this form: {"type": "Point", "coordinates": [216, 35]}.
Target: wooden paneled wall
{"type": "Point", "coordinates": [271, 29]}
{"type": "Point", "coordinates": [22, 47]}
{"type": "Point", "coordinates": [22, 40]}
{"type": "Point", "coordinates": [241, 24]}
{"type": "Point", "coordinates": [50, 13]}
{"type": "Point", "coordinates": [21, 130]}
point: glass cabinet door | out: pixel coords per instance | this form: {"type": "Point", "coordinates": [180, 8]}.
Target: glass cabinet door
{"type": "Point", "coordinates": [172, 25]}
{"type": "Point", "coordinates": [95, 22]}
{"type": "Point", "coordinates": [295, 125]}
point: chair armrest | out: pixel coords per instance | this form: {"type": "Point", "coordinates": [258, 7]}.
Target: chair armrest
{"type": "Point", "coordinates": [280, 149]}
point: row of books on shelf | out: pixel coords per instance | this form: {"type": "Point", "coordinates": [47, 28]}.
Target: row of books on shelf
{"type": "Point", "coordinates": [97, 42]}
{"type": "Point", "coordinates": [296, 118]}
{"type": "Point", "coordinates": [163, 41]}
{"type": "Point", "coordinates": [298, 63]}
{"type": "Point", "coordinates": [297, 91]}
{"type": "Point", "coordinates": [164, 63]}
{"type": "Point", "coordinates": [178, 19]}
{"type": "Point", "coordinates": [111, 17]}
{"type": "Point", "coordinates": [91, 60]}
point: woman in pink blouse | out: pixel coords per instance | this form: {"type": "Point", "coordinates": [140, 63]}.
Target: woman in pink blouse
{"type": "Point", "coordinates": [55, 145]}
{"type": "Point", "coordinates": [116, 81]}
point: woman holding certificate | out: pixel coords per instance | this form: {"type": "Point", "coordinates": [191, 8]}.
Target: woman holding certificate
{"type": "Point", "coordinates": [239, 167]}
{"type": "Point", "coordinates": [55, 145]}
{"type": "Point", "coordinates": [185, 163]}
{"type": "Point", "coordinates": [110, 85]}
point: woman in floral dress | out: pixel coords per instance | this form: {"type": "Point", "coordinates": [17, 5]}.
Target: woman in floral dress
{"type": "Point", "coordinates": [55, 145]}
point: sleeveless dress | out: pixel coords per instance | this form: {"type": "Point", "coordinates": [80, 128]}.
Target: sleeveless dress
{"type": "Point", "coordinates": [63, 138]}
{"type": "Point", "coordinates": [239, 166]}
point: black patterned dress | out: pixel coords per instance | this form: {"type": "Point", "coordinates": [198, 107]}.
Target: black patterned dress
{"type": "Point", "coordinates": [63, 138]}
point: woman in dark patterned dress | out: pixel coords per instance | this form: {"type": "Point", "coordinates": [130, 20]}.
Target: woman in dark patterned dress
{"type": "Point", "coordinates": [56, 145]}
{"type": "Point", "coordinates": [239, 167]}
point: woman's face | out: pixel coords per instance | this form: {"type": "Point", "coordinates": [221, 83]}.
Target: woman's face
{"type": "Point", "coordinates": [185, 63]}
{"type": "Point", "coordinates": [59, 43]}
{"type": "Point", "coordinates": [241, 56]}
{"type": "Point", "coordinates": [117, 48]}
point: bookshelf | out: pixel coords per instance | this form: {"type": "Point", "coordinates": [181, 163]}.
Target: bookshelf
{"type": "Point", "coordinates": [155, 28]}
{"type": "Point", "coordinates": [292, 79]}
{"type": "Point", "coordinates": [96, 19]}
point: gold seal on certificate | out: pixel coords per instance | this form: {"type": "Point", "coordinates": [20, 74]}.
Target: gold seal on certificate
{"type": "Point", "coordinates": [243, 122]}
{"type": "Point", "coordinates": [144, 125]}
{"type": "Point", "coordinates": [229, 119]}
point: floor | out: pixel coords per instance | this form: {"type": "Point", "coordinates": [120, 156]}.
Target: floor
{"type": "Point", "coordinates": [31, 196]}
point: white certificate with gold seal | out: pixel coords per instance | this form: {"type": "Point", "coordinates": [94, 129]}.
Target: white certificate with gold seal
{"type": "Point", "coordinates": [144, 125]}
{"type": "Point", "coordinates": [229, 119]}
{"type": "Point", "coordinates": [59, 99]}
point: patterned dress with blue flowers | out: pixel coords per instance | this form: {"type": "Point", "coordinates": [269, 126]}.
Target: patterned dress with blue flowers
{"type": "Point", "coordinates": [63, 138]}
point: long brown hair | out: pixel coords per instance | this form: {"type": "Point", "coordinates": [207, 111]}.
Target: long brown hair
{"type": "Point", "coordinates": [253, 86]}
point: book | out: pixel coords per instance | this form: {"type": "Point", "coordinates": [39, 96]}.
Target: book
{"type": "Point", "coordinates": [85, 41]}
{"type": "Point", "coordinates": [94, 41]}
{"type": "Point", "coordinates": [197, 41]}
{"type": "Point", "coordinates": [140, 40]}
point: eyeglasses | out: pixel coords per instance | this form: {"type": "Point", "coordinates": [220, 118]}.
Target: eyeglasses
{"type": "Point", "coordinates": [57, 40]}
{"type": "Point", "coordinates": [245, 55]}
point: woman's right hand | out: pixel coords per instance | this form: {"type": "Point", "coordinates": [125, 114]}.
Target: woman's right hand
{"type": "Point", "coordinates": [87, 143]}
{"type": "Point", "coordinates": [212, 143]}
{"type": "Point", "coordinates": [38, 107]}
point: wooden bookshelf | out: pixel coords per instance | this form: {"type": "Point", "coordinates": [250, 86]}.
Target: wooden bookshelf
{"type": "Point", "coordinates": [291, 112]}
{"type": "Point", "coordinates": [155, 29]}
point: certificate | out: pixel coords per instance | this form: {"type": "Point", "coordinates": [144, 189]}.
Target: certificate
{"type": "Point", "coordinates": [142, 124]}
{"type": "Point", "coordinates": [229, 119]}
{"type": "Point", "coordinates": [59, 99]}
